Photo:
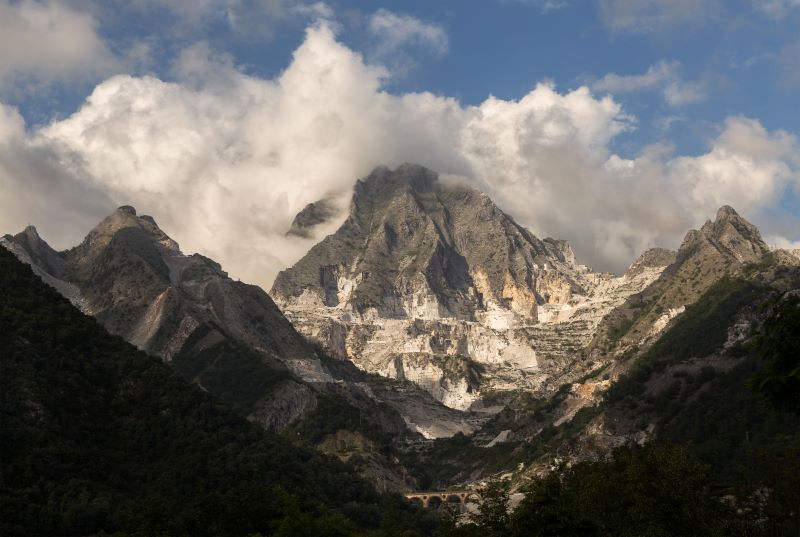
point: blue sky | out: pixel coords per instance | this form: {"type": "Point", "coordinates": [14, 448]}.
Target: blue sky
{"type": "Point", "coordinates": [685, 102]}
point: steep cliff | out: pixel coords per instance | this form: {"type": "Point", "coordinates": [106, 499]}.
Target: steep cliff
{"type": "Point", "coordinates": [429, 281]}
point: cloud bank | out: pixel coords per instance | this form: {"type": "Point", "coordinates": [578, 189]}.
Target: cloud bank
{"type": "Point", "coordinates": [224, 160]}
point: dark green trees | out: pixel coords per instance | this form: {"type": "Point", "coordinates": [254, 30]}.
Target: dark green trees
{"type": "Point", "coordinates": [779, 351]}
{"type": "Point", "coordinates": [97, 437]}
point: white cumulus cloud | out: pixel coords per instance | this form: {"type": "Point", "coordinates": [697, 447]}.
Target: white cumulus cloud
{"type": "Point", "coordinates": [37, 188]}
{"type": "Point", "coordinates": [224, 160]}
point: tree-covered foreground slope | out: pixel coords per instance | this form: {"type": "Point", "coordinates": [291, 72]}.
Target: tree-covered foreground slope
{"type": "Point", "coordinates": [98, 437]}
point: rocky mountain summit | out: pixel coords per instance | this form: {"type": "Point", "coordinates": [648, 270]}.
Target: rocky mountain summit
{"type": "Point", "coordinates": [683, 369]}
{"type": "Point", "coordinates": [413, 247]}
{"type": "Point", "coordinates": [218, 332]}
{"type": "Point", "coordinates": [429, 281]}
{"type": "Point", "coordinates": [136, 281]}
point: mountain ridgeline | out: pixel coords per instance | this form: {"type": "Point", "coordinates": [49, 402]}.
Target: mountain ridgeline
{"type": "Point", "coordinates": [680, 361]}
{"type": "Point", "coordinates": [226, 336]}
{"type": "Point", "coordinates": [430, 341]}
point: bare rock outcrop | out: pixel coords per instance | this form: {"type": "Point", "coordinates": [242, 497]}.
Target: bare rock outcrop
{"type": "Point", "coordinates": [429, 281]}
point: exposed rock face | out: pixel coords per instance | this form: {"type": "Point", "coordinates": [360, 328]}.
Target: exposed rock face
{"type": "Point", "coordinates": [719, 248]}
{"type": "Point", "coordinates": [431, 282]}
{"type": "Point", "coordinates": [691, 349]}
{"type": "Point", "coordinates": [311, 216]}
{"type": "Point", "coordinates": [139, 284]}
{"type": "Point", "coordinates": [732, 235]}
{"type": "Point", "coordinates": [654, 257]}
{"type": "Point", "coordinates": [29, 247]}
{"type": "Point", "coordinates": [412, 247]}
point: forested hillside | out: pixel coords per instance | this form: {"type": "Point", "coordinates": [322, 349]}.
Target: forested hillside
{"type": "Point", "coordinates": [98, 437]}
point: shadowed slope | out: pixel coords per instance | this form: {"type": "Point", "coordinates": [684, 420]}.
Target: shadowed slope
{"type": "Point", "coordinates": [99, 436]}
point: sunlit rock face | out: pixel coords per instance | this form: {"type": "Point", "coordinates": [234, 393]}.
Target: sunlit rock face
{"type": "Point", "coordinates": [429, 281]}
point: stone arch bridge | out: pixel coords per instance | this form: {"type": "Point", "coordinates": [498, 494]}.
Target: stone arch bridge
{"type": "Point", "coordinates": [435, 499]}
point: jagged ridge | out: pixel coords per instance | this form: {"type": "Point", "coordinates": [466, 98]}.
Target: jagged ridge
{"type": "Point", "coordinates": [407, 231]}
{"type": "Point", "coordinates": [227, 336]}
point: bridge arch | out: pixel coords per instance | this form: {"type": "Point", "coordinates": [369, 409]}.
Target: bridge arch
{"type": "Point", "coordinates": [417, 500]}
{"type": "Point", "coordinates": [434, 499]}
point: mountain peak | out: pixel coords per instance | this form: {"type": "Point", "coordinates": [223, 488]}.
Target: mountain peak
{"type": "Point", "coordinates": [728, 215]}
{"type": "Point", "coordinates": [312, 215]}
{"type": "Point", "coordinates": [413, 242]}
{"type": "Point", "coordinates": [126, 209]}
{"type": "Point", "coordinates": [134, 278]}
{"type": "Point", "coordinates": [124, 219]}
{"type": "Point", "coordinates": [31, 240]}
{"type": "Point", "coordinates": [31, 231]}
{"type": "Point", "coordinates": [730, 234]}
{"type": "Point", "coordinates": [383, 183]}
{"type": "Point", "coordinates": [654, 257]}
{"type": "Point", "coordinates": [726, 212]}
{"type": "Point", "coordinates": [38, 250]}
